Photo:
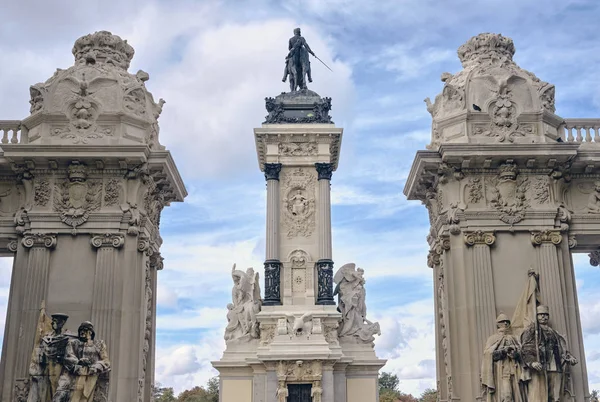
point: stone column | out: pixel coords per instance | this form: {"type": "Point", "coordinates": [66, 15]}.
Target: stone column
{"type": "Point", "coordinates": [551, 276]}
{"type": "Point", "coordinates": [35, 288]}
{"type": "Point", "coordinates": [324, 265]}
{"type": "Point", "coordinates": [327, 383]}
{"type": "Point", "coordinates": [106, 288]}
{"type": "Point", "coordinates": [483, 285]}
{"type": "Point", "coordinates": [272, 262]}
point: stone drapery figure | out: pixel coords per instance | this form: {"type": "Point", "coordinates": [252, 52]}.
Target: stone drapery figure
{"type": "Point", "coordinates": [316, 391]}
{"type": "Point", "coordinates": [282, 392]}
{"type": "Point", "coordinates": [297, 64]}
{"type": "Point", "coordinates": [501, 366]}
{"type": "Point", "coordinates": [246, 304]}
{"type": "Point", "coordinates": [351, 303]}
{"type": "Point", "coordinates": [47, 358]}
{"type": "Point", "coordinates": [86, 366]}
{"type": "Point", "coordinates": [593, 205]}
{"type": "Point", "coordinates": [546, 359]}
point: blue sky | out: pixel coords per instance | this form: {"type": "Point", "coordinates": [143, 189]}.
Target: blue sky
{"type": "Point", "coordinates": [214, 62]}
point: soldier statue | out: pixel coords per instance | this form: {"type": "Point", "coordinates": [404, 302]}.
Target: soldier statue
{"type": "Point", "coordinates": [297, 64]}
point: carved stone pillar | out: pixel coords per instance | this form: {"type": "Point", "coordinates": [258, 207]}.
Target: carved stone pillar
{"type": "Point", "coordinates": [483, 284]}
{"type": "Point", "coordinates": [325, 265]}
{"type": "Point", "coordinates": [551, 276]}
{"type": "Point", "coordinates": [272, 263]}
{"type": "Point", "coordinates": [106, 288]}
{"type": "Point", "coordinates": [35, 286]}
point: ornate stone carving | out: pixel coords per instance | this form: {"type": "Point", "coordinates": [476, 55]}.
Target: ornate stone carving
{"type": "Point", "coordinates": [115, 240]}
{"type": "Point", "coordinates": [437, 248]}
{"type": "Point", "coordinates": [37, 93]}
{"type": "Point", "coordinates": [12, 246]}
{"type": "Point", "coordinates": [564, 217]}
{"type": "Point", "coordinates": [480, 237]}
{"type": "Point", "coordinates": [147, 324]}
{"type": "Point", "coordinates": [452, 218]}
{"type": "Point", "coordinates": [112, 192]}
{"type": "Point", "coordinates": [475, 190]}
{"type": "Point", "coordinates": [41, 190]}
{"type": "Point", "coordinates": [297, 148]}
{"type": "Point", "coordinates": [593, 205]}
{"type": "Point", "coordinates": [267, 333]}
{"type": "Point", "coordinates": [134, 218]}
{"type": "Point", "coordinates": [317, 111]}
{"type": "Point", "coordinates": [21, 390]}
{"type": "Point", "coordinates": [47, 240]}
{"type": "Point", "coordinates": [76, 198]}
{"type": "Point", "coordinates": [325, 170]}
{"type": "Point", "coordinates": [134, 101]}
{"type": "Point", "coordinates": [508, 194]}
{"type": "Point", "coordinates": [325, 282]}
{"type": "Point", "coordinates": [299, 370]}
{"type": "Point", "coordinates": [541, 190]}
{"type": "Point", "coordinates": [299, 258]}
{"type": "Point", "coordinates": [351, 303]}
{"type": "Point", "coordinates": [24, 178]}
{"type": "Point", "coordinates": [594, 258]}
{"type": "Point", "coordinates": [241, 316]}
{"type": "Point", "coordinates": [272, 171]}
{"type": "Point", "coordinates": [272, 283]}
{"type": "Point", "coordinates": [299, 325]}
{"type": "Point", "coordinates": [103, 47]}
{"type": "Point", "coordinates": [330, 332]}
{"type": "Point", "coordinates": [282, 326]}
{"type": "Point", "coordinates": [572, 241]}
{"type": "Point", "coordinates": [298, 203]}
{"type": "Point", "coordinates": [546, 236]}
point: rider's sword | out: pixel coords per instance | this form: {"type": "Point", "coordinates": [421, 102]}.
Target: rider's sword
{"type": "Point", "coordinates": [323, 63]}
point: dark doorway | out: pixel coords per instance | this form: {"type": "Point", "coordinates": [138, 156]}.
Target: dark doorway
{"type": "Point", "coordinates": [299, 393]}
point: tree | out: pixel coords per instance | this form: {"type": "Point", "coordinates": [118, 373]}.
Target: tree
{"type": "Point", "coordinates": [163, 394]}
{"type": "Point", "coordinates": [429, 395]}
{"type": "Point", "coordinates": [388, 381]}
{"type": "Point", "coordinates": [196, 394]}
{"type": "Point", "coordinates": [595, 395]}
{"type": "Point", "coordinates": [212, 389]}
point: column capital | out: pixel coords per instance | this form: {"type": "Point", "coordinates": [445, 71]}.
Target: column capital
{"type": "Point", "coordinates": [115, 240]}
{"type": "Point", "coordinates": [272, 171]}
{"type": "Point", "coordinates": [480, 237]}
{"type": "Point", "coordinates": [546, 236]}
{"type": "Point", "coordinates": [324, 170]}
{"type": "Point", "coordinates": [436, 249]}
{"type": "Point", "coordinates": [47, 240]}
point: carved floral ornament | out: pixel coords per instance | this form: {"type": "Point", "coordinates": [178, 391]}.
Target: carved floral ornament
{"type": "Point", "coordinates": [439, 245]}
{"type": "Point", "coordinates": [300, 370]}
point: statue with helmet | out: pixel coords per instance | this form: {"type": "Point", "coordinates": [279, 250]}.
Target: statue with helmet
{"type": "Point", "coordinates": [546, 360]}
{"type": "Point", "coordinates": [84, 376]}
{"type": "Point", "coordinates": [501, 366]}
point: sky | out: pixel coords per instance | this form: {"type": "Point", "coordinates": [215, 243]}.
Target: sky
{"type": "Point", "coordinates": [214, 62]}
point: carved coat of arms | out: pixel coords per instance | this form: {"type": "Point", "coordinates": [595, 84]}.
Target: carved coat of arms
{"type": "Point", "coordinates": [507, 194]}
{"type": "Point", "coordinates": [76, 198]}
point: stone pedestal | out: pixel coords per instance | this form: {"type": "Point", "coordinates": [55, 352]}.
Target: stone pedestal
{"type": "Point", "coordinates": [85, 181]}
{"type": "Point", "coordinates": [510, 194]}
{"type": "Point", "coordinates": [298, 148]}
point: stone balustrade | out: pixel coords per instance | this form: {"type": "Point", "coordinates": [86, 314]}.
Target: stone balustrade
{"type": "Point", "coordinates": [11, 131]}
{"type": "Point", "coordinates": [580, 130]}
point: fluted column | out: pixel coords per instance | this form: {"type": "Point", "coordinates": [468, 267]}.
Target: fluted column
{"type": "Point", "coordinates": [324, 265]}
{"type": "Point", "coordinates": [551, 277]}
{"type": "Point", "coordinates": [483, 285]}
{"type": "Point", "coordinates": [272, 262]}
{"type": "Point", "coordinates": [106, 288]}
{"type": "Point", "coordinates": [35, 288]}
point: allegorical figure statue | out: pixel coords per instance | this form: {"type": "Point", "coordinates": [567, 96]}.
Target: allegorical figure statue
{"type": "Point", "coordinates": [282, 392]}
{"type": "Point", "coordinates": [501, 366]}
{"type": "Point", "coordinates": [351, 303]}
{"type": "Point", "coordinates": [546, 360]}
{"type": "Point", "coordinates": [593, 205]}
{"type": "Point", "coordinates": [47, 359]}
{"type": "Point", "coordinates": [85, 369]}
{"type": "Point", "coordinates": [246, 304]}
{"type": "Point", "coordinates": [297, 64]}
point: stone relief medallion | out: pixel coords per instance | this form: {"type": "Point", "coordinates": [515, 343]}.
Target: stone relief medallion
{"type": "Point", "coordinates": [507, 194]}
{"type": "Point", "coordinates": [299, 203]}
{"type": "Point", "coordinates": [75, 198]}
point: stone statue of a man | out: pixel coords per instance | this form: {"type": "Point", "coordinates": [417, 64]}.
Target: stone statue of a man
{"type": "Point", "coordinates": [47, 361]}
{"type": "Point", "coordinates": [86, 367]}
{"type": "Point", "coordinates": [501, 366]}
{"type": "Point", "coordinates": [546, 360]}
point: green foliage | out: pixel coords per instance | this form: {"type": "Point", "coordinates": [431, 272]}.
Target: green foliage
{"type": "Point", "coordinates": [196, 394]}
{"type": "Point", "coordinates": [163, 394]}
{"type": "Point", "coordinates": [388, 381]}
{"type": "Point", "coordinates": [595, 395]}
{"type": "Point", "coordinates": [429, 395]}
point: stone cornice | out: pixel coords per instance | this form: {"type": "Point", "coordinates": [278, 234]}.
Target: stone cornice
{"type": "Point", "coordinates": [480, 237]}
{"type": "Point", "coordinates": [115, 240]}
{"type": "Point", "coordinates": [47, 240]}
{"type": "Point", "coordinates": [546, 236]}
